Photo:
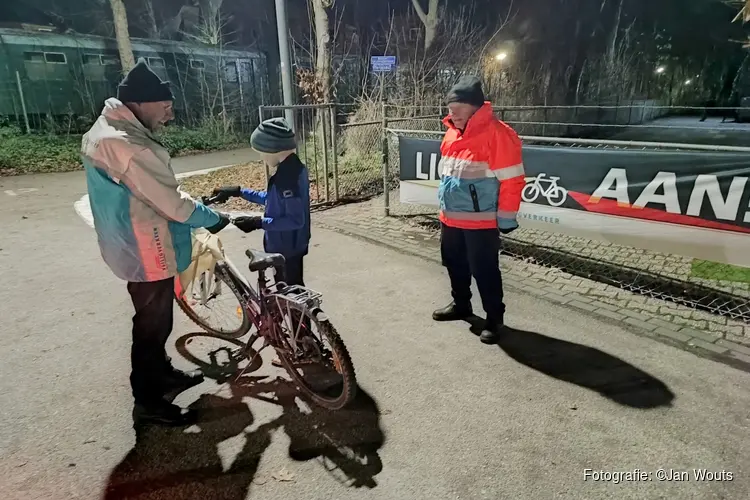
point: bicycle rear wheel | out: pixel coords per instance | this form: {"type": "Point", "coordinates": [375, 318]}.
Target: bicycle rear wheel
{"type": "Point", "coordinates": [321, 366]}
{"type": "Point", "coordinates": [222, 313]}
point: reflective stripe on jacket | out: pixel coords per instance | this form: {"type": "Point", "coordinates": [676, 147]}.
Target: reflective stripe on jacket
{"type": "Point", "coordinates": [482, 173]}
{"type": "Point", "coordinates": [142, 220]}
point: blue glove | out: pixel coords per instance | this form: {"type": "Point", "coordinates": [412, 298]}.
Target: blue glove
{"type": "Point", "coordinates": [507, 226]}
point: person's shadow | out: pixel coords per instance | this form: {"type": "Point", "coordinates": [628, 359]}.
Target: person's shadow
{"type": "Point", "coordinates": [184, 463]}
{"type": "Point", "coordinates": [611, 377]}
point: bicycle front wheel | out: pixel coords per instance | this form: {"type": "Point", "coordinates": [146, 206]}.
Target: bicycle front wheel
{"type": "Point", "coordinates": [215, 305]}
{"type": "Point", "coordinates": [319, 363]}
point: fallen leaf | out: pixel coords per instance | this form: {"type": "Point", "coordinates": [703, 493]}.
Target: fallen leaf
{"type": "Point", "coordinates": [24, 217]}
{"type": "Point", "coordinates": [260, 480]}
{"type": "Point", "coordinates": [22, 464]}
{"type": "Point", "coordinates": [89, 441]}
{"type": "Point", "coordinates": [71, 465]}
{"type": "Point", "coordinates": [283, 476]}
{"type": "Point", "coordinates": [386, 412]}
{"type": "Point", "coordinates": [573, 407]}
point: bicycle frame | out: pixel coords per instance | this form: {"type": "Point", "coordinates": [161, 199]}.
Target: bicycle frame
{"type": "Point", "coordinates": [268, 327]}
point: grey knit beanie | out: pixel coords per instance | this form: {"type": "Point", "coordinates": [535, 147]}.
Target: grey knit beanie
{"type": "Point", "coordinates": [273, 136]}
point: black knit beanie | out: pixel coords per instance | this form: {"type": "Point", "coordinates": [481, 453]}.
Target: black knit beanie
{"type": "Point", "coordinates": [468, 90]}
{"type": "Point", "coordinates": [143, 85]}
{"type": "Point", "coordinates": [273, 136]}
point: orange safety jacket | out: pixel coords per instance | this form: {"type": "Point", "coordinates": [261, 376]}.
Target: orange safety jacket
{"type": "Point", "coordinates": [482, 174]}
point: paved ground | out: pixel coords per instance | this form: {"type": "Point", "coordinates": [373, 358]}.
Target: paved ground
{"type": "Point", "coordinates": [441, 415]}
{"type": "Point", "coordinates": [695, 330]}
{"type": "Point", "coordinates": [186, 164]}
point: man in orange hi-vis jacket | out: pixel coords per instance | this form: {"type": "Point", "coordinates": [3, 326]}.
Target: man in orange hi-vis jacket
{"type": "Point", "coordinates": [482, 177]}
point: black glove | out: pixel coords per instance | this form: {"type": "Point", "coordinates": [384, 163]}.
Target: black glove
{"type": "Point", "coordinates": [222, 194]}
{"type": "Point", "coordinates": [248, 224]}
{"type": "Point", "coordinates": [223, 222]}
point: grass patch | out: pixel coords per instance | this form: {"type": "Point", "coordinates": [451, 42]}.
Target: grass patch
{"type": "Point", "coordinates": [44, 153]}
{"type": "Point", "coordinates": [719, 272]}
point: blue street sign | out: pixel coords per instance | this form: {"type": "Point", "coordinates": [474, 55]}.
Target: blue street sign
{"type": "Point", "coordinates": [383, 64]}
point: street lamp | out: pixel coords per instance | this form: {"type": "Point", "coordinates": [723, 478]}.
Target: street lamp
{"type": "Point", "coordinates": [688, 81]}
{"type": "Point", "coordinates": [661, 69]}
{"type": "Point", "coordinates": [502, 56]}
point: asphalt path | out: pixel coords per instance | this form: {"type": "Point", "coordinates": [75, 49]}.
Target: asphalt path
{"type": "Point", "coordinates": [440, 416]}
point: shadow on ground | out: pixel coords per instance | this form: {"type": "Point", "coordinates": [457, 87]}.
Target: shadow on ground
{"type": "Point", "coordinates": [184, 463]}
{"type": "Point", "coordinates": [584, 366]}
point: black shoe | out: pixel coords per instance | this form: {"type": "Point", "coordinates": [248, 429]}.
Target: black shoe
{"type": "Point", "coordinates": [163, 413]}
{"type": "Point", "coordinates": [452, 313]}
{"type": "Point", "coordinates": [177, 381]}
{"type": "Point", "coordinates": [492, 332]}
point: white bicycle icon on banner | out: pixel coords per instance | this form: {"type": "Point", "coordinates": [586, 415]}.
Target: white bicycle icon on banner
{"type": "Point", "coordinates": [535, 186]}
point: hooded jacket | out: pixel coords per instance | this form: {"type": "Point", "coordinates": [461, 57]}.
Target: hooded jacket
{"type": "Point", "coordinates": [142, 220]}
{"type": "Point", "coordinates": [482, 174]}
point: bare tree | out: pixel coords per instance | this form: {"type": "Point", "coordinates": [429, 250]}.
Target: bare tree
{"type": "Point", "coordinates": [430, 19]}
{"type": "Point", "coordinates": [120, 16]}
{"type": "Point", "coordinates": [322, 46]}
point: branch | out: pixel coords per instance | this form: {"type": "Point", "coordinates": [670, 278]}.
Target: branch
{"type": "Point", "coordinates": [420, 11]}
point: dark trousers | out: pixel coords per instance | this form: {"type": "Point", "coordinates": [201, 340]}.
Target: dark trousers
{"type": "Point", "coordinates": [293, 273]}
{"type": "Point", "coordinates": [152, 325]}
{"type": "Point", "coordinates": [474, 252]}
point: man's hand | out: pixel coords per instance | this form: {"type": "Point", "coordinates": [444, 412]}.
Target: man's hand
{"type": "Point", "coordinates": [223, 194]}
{"type": "Point", "coordinates": [507, 226]}
{"type": "Point", "coordinates": [223, 222]}
{"type": "Point", "coordinates": [249, 224]}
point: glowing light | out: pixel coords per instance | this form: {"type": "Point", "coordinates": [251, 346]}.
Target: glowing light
{"type": "Point", "coordinates": [502, 56]}
{"type": "Point", "coordinates": [661, 69]}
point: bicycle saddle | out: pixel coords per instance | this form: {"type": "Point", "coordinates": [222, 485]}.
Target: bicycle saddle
{"type": "Point", "coordinates": [262, 260]}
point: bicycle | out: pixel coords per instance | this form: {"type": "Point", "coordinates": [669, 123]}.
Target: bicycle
{"type": "Point", "coordinates": [287, 318]}
{"type": "Point", "coordinates": [555, 195]}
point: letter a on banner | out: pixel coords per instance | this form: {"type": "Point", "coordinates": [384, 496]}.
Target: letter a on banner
{"type": "Point", "coordinates": [619, 178]}
{"type": "Point", "coordinates": [666, 180]}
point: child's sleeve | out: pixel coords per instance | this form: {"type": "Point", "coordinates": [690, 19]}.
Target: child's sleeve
{"type": "Point", "coordinates": [290, 192]}
{"type": "Point", "coordinates": [253, 196]}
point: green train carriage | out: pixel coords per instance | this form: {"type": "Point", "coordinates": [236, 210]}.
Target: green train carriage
{"type": "Point", "coordinates": [64, 75]}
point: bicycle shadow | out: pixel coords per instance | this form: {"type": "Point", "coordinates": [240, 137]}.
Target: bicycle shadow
{"type": "Point", "coordinates": [346, 441]}
{"type": "Point", "coordinates": [188, 464]}
{"type": "Point", "coordinates": [610, 376]}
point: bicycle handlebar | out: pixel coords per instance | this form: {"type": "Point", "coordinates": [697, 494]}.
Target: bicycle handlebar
{"type": "Point", "coordinates": [209, 200]}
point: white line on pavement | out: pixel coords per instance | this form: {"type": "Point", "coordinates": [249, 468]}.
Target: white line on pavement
{"type": "Point", "coordinates": [204, 171]}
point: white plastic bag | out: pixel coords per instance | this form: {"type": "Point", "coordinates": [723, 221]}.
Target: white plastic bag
{"type": "Point", "coordinates": [207, 251]}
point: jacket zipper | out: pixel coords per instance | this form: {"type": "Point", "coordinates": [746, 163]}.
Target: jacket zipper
{"type": "Point", "coordinates": [474, 197]}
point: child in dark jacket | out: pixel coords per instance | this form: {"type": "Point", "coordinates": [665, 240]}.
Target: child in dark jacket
{"type": "Point", "coordinates": [286, 220]}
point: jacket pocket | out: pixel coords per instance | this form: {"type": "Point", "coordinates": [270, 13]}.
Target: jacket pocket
{"type": "Point", "coordinates": [474, 197]}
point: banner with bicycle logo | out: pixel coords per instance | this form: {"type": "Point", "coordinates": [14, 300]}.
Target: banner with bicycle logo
{"type": "Point", "coordinates": [685, 202]}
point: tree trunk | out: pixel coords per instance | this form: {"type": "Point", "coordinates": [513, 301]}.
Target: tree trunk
{"type": "Point", "coordinates": [430, 19]}
{"type": "Point", "coordinates": [322, 47]}
{"type": "Point", "coordinates": [122, 34]}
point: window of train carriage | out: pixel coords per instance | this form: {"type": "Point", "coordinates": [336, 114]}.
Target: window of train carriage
{"type": "Point", "coordinates": [93, 69]}
{"type": "Point", "coordinates": [230, 71]}
{"type": "Point", "coordinates": [197, 64]}
{"type": "Point", "coordinates": [46, 65]}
